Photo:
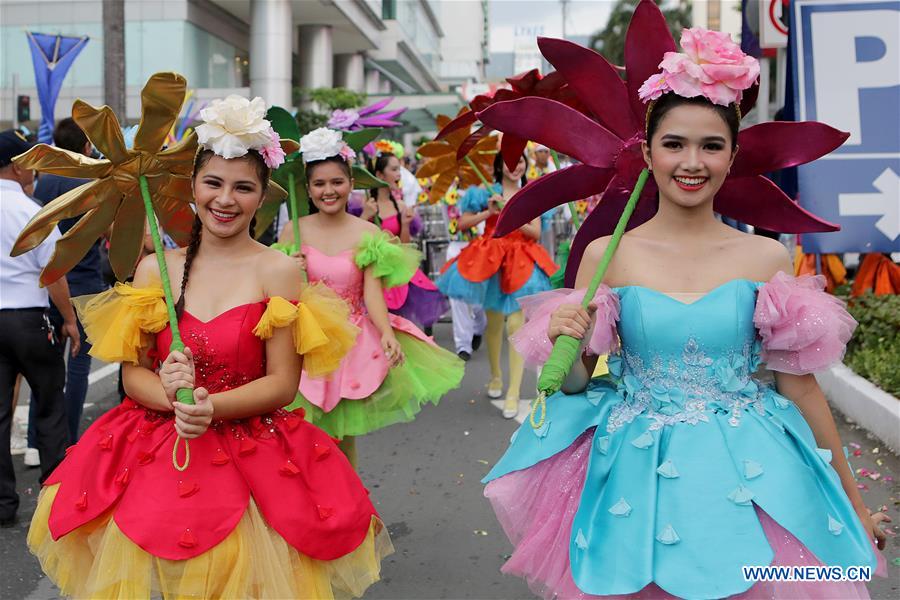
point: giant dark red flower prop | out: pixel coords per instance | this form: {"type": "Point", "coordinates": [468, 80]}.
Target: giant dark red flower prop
{"type": "Point", "coordinates": [606, 135]}
{"type": "Point", "coordinates": [528, 84]}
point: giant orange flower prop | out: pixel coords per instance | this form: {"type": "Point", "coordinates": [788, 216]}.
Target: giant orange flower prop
{"type": "Point", "coordinates": [444, 160]}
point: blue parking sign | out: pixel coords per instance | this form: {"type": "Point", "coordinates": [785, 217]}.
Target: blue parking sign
{"type": "Point", "coordinates": [846, 57]}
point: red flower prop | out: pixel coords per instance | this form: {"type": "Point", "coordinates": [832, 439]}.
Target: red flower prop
{"type": "Point", "coordinates": [606, 138]}
{"type": "Point", "coordinates": [528, 84]}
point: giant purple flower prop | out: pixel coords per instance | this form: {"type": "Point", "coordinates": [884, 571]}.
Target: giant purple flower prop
{"type": "Point", "coordinates": [354, 119]}
{"type": "Point", "coordinates": [606, 139]}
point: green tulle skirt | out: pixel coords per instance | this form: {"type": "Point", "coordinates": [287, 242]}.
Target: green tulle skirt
{"type": "Point", "coordinates": [426, 375]}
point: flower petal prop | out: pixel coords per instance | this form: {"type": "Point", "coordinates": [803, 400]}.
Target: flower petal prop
{"type": "Point", "coordinates": [114, 195]}
{"type": "Point", "coordinates": [615, 106]}
{"type": "Point", "coordinates": [135, 184]}
{"type": "Point", "coordinates": [355, 119]}
{"type": "Point", "coordinates": [444, 161]}
{"type": "Point", "coordinates": [530, 83]}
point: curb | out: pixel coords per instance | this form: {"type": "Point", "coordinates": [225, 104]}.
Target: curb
{"type": "Point", "coordinates": [868, 405]}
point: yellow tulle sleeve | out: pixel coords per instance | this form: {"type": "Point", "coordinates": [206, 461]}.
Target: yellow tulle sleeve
{"type": "Point", "coordinates": [320, 323]}
{"type": "Point", "coordinates": [122, 320]}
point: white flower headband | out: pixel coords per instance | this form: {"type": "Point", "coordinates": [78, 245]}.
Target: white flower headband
{"type": "Point", "coordinates": [234, 126]}
{"type": "Point", "coordinates": [323, 143]}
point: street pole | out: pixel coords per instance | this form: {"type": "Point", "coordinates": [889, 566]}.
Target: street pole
{"type": "Point", "coordinates": [565, 16]}
{"type": "Point", "coordinates": [762, 103]}
{"type": "Point", "coordinates": [15, 100]}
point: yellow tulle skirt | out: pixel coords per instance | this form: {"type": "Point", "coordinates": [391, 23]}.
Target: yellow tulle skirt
{"type": "Point", "coordinates": [98, 561]}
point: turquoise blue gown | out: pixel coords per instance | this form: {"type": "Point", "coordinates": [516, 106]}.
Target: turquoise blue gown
{"type": "Point", "coordinates": [666, 472]}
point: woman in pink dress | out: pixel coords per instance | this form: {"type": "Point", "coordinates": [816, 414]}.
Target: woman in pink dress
{"type": "Point", "coordinates": [394, 368]}
{"type": "Point", "coordinates": [420, 301]}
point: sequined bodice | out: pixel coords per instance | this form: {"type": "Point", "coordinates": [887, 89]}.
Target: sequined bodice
{"type": "Point", "coordinates": [340, 273]}
{"type": "Point", "coordinates": [226, 352]}
{"type": "Point", "coordinates": [679, 360]}
{"type": "Point", "coordinates": [391, 224]}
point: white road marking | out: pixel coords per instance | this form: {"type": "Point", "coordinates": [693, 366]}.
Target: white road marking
{"type": "Point", "coordinates": [103, 372]}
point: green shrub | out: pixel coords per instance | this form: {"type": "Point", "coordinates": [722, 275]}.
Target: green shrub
{"type": "Point", "coordinates": [874, 351]}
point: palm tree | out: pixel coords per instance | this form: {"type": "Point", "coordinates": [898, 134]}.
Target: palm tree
{"type": "Point", "coordinates": [610, 41]}
{"type": "Point", "coordinates": [114, 56]}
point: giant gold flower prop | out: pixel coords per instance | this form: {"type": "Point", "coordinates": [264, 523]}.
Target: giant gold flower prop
{"type": "Point", "coordinates": [113, 198]}
{"type": "Point", "coordinates": [444, 160]}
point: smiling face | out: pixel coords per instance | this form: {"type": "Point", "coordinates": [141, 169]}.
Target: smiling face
{"type": "Point", "coordinates": [516, 174]}
{"type": "Point", "coordinates": [227, 193]}
{"type": "Point", "coordinates": [329, 187]}
{"type": "Point", "coordinates": [690, 155]}
{"type": "Point", "coordinates": [391, 172]}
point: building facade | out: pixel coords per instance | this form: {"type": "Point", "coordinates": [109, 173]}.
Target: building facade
{"type": "Point", "coordinates": [259, 47]}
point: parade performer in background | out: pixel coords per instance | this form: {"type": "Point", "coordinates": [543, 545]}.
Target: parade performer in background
{"type": "Point", "coordinates": [469, 320]}
{"type": "Point", "coordinates": [394, 368]}
{"type": "Point", "coordinates": [419, 300]}
{"type": "Point", "coordinates": [666, 478]}
{"type": "Point", "coordinates": [495, 272]}
{"type": "Point", "coordinates": [265, 504]}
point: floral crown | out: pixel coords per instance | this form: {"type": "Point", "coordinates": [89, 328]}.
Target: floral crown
{"type": "Point", "coordinates": [323, 143]}
{"type": "Point", "coordinates": [712, 66]}
{"type": "Point", "coordinates": [234, 126]}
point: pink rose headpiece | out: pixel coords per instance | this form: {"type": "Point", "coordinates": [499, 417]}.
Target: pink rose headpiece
{"type": "Point", "coordinates": [598, 119]}
{"type": "Point", "coordinates": [712, 66]}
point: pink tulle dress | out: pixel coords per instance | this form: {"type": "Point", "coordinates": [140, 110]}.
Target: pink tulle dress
{"type": "Point", "coordinates": [419, 301]}
{"type": "Point", "coordinates": [668, 476]}
{"type": "Point", "coordinates": [364, 393]}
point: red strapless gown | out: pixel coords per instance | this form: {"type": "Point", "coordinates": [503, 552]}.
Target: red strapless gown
{"type": "Point", "coordinates": [120, 476]}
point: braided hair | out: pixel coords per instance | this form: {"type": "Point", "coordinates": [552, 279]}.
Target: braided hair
{"type": "Point", "coordinates": [193, 246]}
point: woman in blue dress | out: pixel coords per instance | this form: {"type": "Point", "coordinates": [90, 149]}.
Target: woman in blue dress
{"type": "Point", "coordinates": [682, 466]}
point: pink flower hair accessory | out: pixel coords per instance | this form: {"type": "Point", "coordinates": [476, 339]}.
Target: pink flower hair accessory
{"type": "Point", "coordinates": [712, 66]}
{"type": "Point", "coordinates": [272, 153]}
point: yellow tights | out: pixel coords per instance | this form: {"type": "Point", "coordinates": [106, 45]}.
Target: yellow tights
{"type": "Point", "coordinates": [494, 335]}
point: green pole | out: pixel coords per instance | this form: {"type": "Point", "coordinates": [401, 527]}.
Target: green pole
{"type": "Point", "coordinates": [184, 395]}
{"type": "Point", "coordinates": [565, 350]}
{"type": "Point", "coordinates": [295, 218]}
{"type": "Point", "coordinates": [478, 172]}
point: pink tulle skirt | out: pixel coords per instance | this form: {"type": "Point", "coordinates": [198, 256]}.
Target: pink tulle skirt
{"type": "Point", "coordinates": [537, 506]}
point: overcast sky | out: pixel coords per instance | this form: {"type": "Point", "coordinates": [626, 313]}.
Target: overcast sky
{"type": "Point", "coordinates": [584, 18]}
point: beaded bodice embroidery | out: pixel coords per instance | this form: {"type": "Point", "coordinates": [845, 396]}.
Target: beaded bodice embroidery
{"type": "Point", "coordinates": [226, 353]}
{"type": "Point", "coordinates": [681, 362]}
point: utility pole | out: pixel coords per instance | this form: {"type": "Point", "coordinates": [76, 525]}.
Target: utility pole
{"type": "Point", "coordinates": [565, 15]}
{"type": "Point", "coordinates": [114, 56]}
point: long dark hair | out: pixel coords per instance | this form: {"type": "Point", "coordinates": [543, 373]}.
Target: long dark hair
{"type": "Point", "coordinates": [310, 167]}
{"type": "Point", "coordinates": [667, 102]}
{"type": "Point", "coordinates": [378, 164]}
{"type": "Point", "coordinates": [203, 156]}
{"type": "Point", "coordinates": [498, 170]}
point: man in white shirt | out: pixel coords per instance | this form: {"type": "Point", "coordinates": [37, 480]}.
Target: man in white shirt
{"type": "Point", "coordinates": [28, 342]}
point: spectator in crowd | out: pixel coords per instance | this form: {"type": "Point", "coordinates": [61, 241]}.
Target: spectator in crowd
{"type": "Point", "coordinates": [28, 344]}
{"type": "Point", "coordinates": [85, 278]}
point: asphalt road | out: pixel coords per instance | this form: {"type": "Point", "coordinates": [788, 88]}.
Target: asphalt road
{"type": "Point", "coordinates": [424, 477]}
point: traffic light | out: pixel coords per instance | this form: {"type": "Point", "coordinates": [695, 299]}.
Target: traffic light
{"type": "Point", "coordinates": [23, 108]}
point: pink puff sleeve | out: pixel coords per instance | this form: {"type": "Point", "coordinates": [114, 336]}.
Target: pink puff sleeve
{"type": "Point", "coordinates": [803, 328]}
{"type": "Point", "coordinates": [532, 341]}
